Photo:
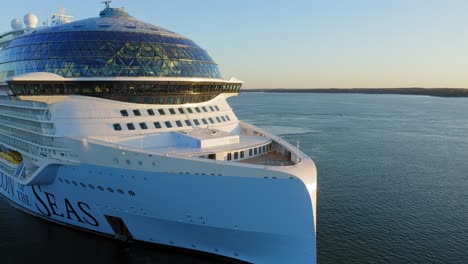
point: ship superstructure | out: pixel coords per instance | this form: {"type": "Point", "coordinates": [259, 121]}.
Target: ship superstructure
{"type": "Point", "coordinates": [122, 128]}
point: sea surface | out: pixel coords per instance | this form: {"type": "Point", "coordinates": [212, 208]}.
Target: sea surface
{"type": "Point", "coordinates": [393, 184]}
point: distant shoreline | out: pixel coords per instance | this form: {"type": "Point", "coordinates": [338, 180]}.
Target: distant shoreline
{"type": "Point", "coordinates": [441, 92]}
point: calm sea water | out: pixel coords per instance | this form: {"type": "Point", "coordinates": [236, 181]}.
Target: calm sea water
{"type": "Point", "coordinates": [393, 184]}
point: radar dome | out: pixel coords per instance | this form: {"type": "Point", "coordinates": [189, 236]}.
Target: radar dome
{"type": "Point", "coordinates": [16, 24]}
{"type": "Point", "coordinates": [30, 20]}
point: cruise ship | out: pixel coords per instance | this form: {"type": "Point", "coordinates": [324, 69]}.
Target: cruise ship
{"type": "Point", "coordinates": [122, 128]}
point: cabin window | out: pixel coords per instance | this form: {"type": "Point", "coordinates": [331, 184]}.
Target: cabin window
{"type": "Point", "coordinates": [211, 120]}
{"type": "Point", "coordinates": [197, 109]}
{"type": "Point", "coordinates": [117, 127]}
{"type": "Point", "coordinates": [223, 118]}
{"type": "Point", "coordinates": [168, 124]}
{"type": "Point", "coordinates": [150, 112]}
{"type": "Point", "coordinates": [204, 121]}
{"type": "Point", "coordinates": [143, 126]}
{"type": "Point", "coordinates": [187, 122]}
{"type": "Point", "coordinates": [161, 111]}
{"type": "Point", "coordinates": [216, 107]}
{"type": "Point", "coordinates": [204, 109]}
{"type": "Point", "coordinates": [242, 154]}
{"type": "Point", "coordinates": [264, 148]}
{"type": "Point", "coordinates": [170, 100]}
{"type": "Point", "coordinates": [181, 110]}
{"type": "Point", "coordinates": [219, 120]}
{"type": "Point", "coordinates": [229, 156]}
{"type": "Point", "coordinates": [136, 112]}
{"type": "Point", "coordinates": [255, 151]}
{"type": "Point", "coordinates": [130, 126]}
{"type": "Point", "coordinates": [178, 123]}
{"type": "Point", "coordinates": [190, 110]}
{"type": "Point", "coordinates": [124, 112]}
{"type": "Point", "coordinates": [236, 155]}
{"type": "Point", "coordinates": [211, 108]}
{"type": "Point", "coordinates": [157, 125]}
{"type": "Point", "coordinates": [196, 122]}
{"type": "Point", "coordinates": [172, 111]}
{"type": "Point", "coordinates": [227, 117]}
{"type": "Point", "coordinates": [250, 152]}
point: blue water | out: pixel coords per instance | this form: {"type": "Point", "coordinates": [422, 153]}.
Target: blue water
{"type": "Point", "coordinates": [393, 184]}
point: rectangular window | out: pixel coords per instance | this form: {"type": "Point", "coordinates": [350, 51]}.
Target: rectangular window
{"type": "Point", "coordinates": [217, 119]}
{"type": "Point", "coordinates": [190, 110]}
{"type": "Point", "coordinates": [188, 99]}
{"type": "Point", "coordinates": [124, 112]}
{"type": "Point", "coordinates": [204, 121]}
{"type": "Point", "coordinates": [242, 154]}
{"type": "Point", "coordinates": [170, 100]}
{"type": "Point", "coordinates": [259, 150]}
{"type": "Point", "coordinates": [172, 111]}
{"type": "Point", "coordinates": [181, 110]}
{"type": "Point", "coordinates": [157, 125]}
{"type": "Point", "coordinates": [197, 109]}
{"type": "Point", "coordinates": [227, 117]}
{"type": "Point", "coordinates": [168, 124]}
{"type": "Point", "coordinates": [250, 152]}
{"type": "Point", "coordinates": [216, 107]}
{"type": "Point", "coordinates": [187, 122]}
{"type": "Point", "coordinates": [178, 123]}
{"type": "Point", "coordinates": [204, 109]}
{"type": "Point", "coordinates": [117, 127]}
{"type": "Point", "coordinates": [229, 156]}
{"type": "Point", "coordinates": [236, 155]}
{"type": "Point", "coordinates": [211, 108]}
{"type": "Point", "coordinates": [161, 111]}
{"type": "Point", "coordinates": [264, 148]}
{"type": "Point", "coordinates": [136, 112]}
{"type": "Point", "coordinates": [255, 151]}
{"type": "Point", "coordinates": [223, 118]}
{"type": "Point", "coordinates": [143, 126]}
{"type": "Point", "coordinates": [130, 126]}
{"type": "Point", "coordinates": [196, 122]}
{"type": "Point", "coordinates": [150, 112]}
{"type": "Point", "coordinates": [211, 120]}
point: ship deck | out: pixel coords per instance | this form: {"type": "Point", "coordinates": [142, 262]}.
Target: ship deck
{"type": "Point", "coordinates": [271, 158]}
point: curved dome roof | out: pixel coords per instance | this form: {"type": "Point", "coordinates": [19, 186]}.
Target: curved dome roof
{"type": "Point", "coordinates": [114, 44]}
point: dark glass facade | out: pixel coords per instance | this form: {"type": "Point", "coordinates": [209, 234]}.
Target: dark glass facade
{"type": "Point", "coordinates": [105, 47]}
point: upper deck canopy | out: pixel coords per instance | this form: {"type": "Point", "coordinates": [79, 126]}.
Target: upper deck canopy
{"type": "Point", "coordinates": [111, 45]}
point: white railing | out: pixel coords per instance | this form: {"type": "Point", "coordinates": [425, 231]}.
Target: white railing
{"type": "Point", "coordinates": [261, 132]}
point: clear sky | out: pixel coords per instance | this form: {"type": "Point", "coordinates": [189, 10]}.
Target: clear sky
{"type": "Point", "coordinates": [306, 43]}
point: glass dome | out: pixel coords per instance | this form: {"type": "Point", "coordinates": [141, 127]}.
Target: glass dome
{"type": "Point", "coordinates": [112, 45]}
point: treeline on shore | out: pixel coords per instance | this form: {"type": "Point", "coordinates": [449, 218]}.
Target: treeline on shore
{"type": "Point", "coordinates": [443, 92]}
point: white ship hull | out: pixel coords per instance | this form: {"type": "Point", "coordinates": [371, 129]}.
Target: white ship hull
{"type": "Point", "coordinates": [255, 219]}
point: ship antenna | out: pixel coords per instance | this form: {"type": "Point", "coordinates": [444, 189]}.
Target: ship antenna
{"type": "Point", "coordinates": [107, 3]}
